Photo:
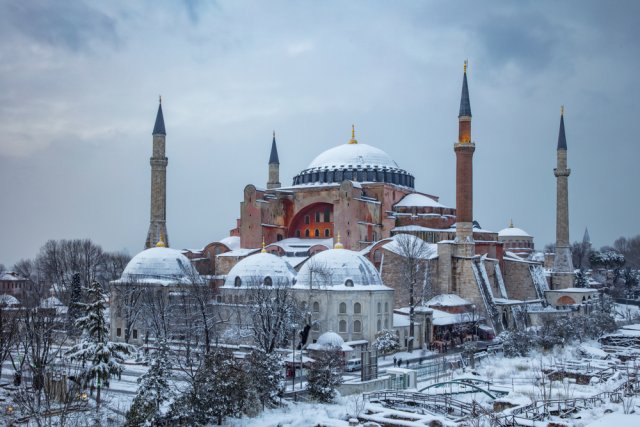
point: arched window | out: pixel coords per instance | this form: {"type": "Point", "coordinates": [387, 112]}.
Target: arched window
{"type": "Point", "coordinates": [348, 283]}
{"type": "Point", "coordinates": [307, 220]}
{"type": "Point", "coordinates": [317, 216]}
{"type": "Point", "coordinates": [306, 233]}
{"type": "Point", "coordinates": [379, 324]}
{"type": "Point", "coordinates": [386, 307]}
{"type": "Point", "coordinates": [343, 308]}
{"type": "Point", "coordinates": [268, 281]}
{"type": "Point", "coordinates": [238, 282]}
{"type": "Point", "coordinates": [357, 308]}
{"type": "Point", "coordinates": [326, 232]}
{"type": "Point", "coordinates": [386, 323]}
{"type": "Point", "coordinates": [316, 307]}
{"type": "Point", "coordinates": [342, 326]}
{"type": "Point", "coordinates": [357, 327]}
{"type": "Point", "coordinates": [297, 233]}
{"type": "Point", "coordinates": [316, 233]}
{"type": "Point", "coordinates": [379, 308]}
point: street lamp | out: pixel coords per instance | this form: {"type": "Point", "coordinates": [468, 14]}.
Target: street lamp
{"type": "Point", "coordinates": [474, 323]}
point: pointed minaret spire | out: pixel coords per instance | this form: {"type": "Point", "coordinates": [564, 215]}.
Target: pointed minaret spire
{"type": "Point", "coordinates": [158, 222]}
{"type": "Point", "coordinates": [158, 128]}
{"type": "Point", "coordinates": [464, 149]}
{"type": "Point", "coordinates": [586, 239]}
{"type": "Point", "coordinates": [562, 139]}
{"type": "Point", "coordinates": [562, 274]}
{"type": "Point", "coordinates": [274, 165]}
{"type": "Point", "coordinates": [353, 139]}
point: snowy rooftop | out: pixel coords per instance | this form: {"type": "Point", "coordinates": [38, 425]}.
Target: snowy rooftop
{"type": "Point", "coordinates": [295, 244]}
{"type": "Point", "coordinates": [339, 269]}
{"type": "Point", "coordinates": [241, 252]}
{"type": "Point", "coordinates": [7, 299]}
{"type": "Point", "coordinates": [574, 290]}
{"type": "Point", "coordinates": [447, 300]}
{"type": "Point", "coordinates": [160, 266]}
{"type": "Point", "coordinates": [255, 268]}
{"type": "Point", "coordinates": [513, 232]}
{"type": "Point", "coordinates": [418, 200]}
{"type": "Point", "coordinates": [412, 245]}
{"type": "Point", "coordinates": [10, 275]}
{"type": "Point", "coordinates": [345, 155]}
{"type": "Point", "coordinates": [232, 242]}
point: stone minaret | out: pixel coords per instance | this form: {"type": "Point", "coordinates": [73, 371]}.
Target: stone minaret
{"type": "Point", "coordinates": [274, 166]}
{"type": "Point", "coordinates": [464, 149]}
{"type": "Point", "coordinates": [158, 223]}
{"type": "Point", "coordinates": [562, 273]}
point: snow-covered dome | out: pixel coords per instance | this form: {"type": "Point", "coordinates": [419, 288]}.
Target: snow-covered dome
{"type": "Point", "coordinates": [6, 299]}
{"type": "Point", "coordinates": [329, 340]}
{"type": "Point", "coordinates": [159, 265]}
{"type": "Point", "coordinates": [355, 162]}
{"type": "Point", "coordinates": [339, 269]}
{"type": "Point", "coordinates": [513, 232]}
{"type": "Point", "coordinates": [262, 268]}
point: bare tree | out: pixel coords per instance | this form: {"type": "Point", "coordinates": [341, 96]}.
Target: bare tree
{"type": "Point", "coordinates": [273, 309]}
{"type": "Point", "coordinates": [413, 253]}
{"type": "Point", "coordinates": [127, 304]}
{"type": "Point", "coordinates": [9, 317]}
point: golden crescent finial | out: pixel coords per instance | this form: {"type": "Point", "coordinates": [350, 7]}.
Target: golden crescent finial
{"type": "Point", "coordinates": [338, 245]}
{"type": "Point", "coordinates": [264, 251]}
{"type": "Point", "coordinates": [161, 243]}
{"type": "Point", "coordinates": [466, 62]}
{"type": "Point", "coordinates": [353, 135]}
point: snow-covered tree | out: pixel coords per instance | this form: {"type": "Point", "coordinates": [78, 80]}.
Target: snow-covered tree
{"type": "Point", "coordinates": [265, 372]}
{"type": "Point", "coordinates": [100, 358]}
{"type": "Point", "coordinates": [75, 304]}
{"type": "Point", "coordinates": [155, 389]}
{"type": "Point", "coordinates": [581, 280]}
{"type": "Point", "coordinates": [518, 343]}
{"type": "Point", "coordinates": [325, 375]}
{"type": "Point", "coordinates": [219, 389]}
{"type": "Point", "coordinates": [386, 341]}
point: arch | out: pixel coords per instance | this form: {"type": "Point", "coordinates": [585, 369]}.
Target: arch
{"type": "Point", "coordinates": [237, 282]}
{"type": "Point", "coordinates": [357, 308]}
{"type": "Point", "coordinates": [342, 326]}
{"type": "Point", "coordinates": [565, 300]}
{"type": "Point", "coordinates": [357, 327]}
{"type": "Point", "coordinates": [379, 326]}
{"type": "Point", "coordinates": [342, 309]}
{"type": "Point", "coordinates": [316, 307]}
{"type": "Point", "coordinates": [268, 281]}
{"type": "Point", "coordinates": [306, 220]}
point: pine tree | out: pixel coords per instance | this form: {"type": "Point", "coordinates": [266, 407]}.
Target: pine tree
{"type": "Point", "coordinates": [155, 389]}
{"type": "Point", "coordinates": [386, 341]}
{"type": "Point", "coordinates": [265, 372]}
{"type": "Point", "coordinates": [75, 307]}
{"type": "Point", "coordinates": [100, 358]}
{"type": "Point", "coordinates": [325, 375]}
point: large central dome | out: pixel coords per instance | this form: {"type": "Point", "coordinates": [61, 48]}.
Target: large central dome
{"type": "Point", "coordinates": [355, 162]}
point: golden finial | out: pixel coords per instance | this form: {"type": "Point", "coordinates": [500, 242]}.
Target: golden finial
{"type": "Point", "coordinates": [338, 245]}
{"type": "Point", "coordinates": [160, 98]}
{"type": "Point", "coordinates": [466, 62]}
{"type": "Point", "coordinates": [562, 110]}
{"type": "Point", "coordinates": [264, 251]}
{"type": "Point", "coordinates": [353, 135]}
{"type": "Point", "coordinates": [161, 243]}
{"type": "Point", "coordinates": [511, 223]}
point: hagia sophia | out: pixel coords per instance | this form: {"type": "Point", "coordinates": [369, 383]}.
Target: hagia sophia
{"type": "Point", "coordinates": [365, 250]}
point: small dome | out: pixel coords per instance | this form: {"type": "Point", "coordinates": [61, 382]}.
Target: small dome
{"type": "Point", "coordinates": [159, 265]}
{"type": "Point", "coordinates": [330, 339]}
{"type": "Point", "coordinates": [355, 162]}
{"type": "Point", "coordinates": [338, 268]}
{"type": "Point", "coordinates": [263, 268]}
{"type": "Point", "coordinates": [513, 232]}
{"type": "Point", "coordinates": [7, 299]}
{"type": "Point", "coordinates": [418, 200]}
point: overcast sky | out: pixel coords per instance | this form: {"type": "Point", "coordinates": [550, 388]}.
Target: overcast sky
{"type": "Point", "coordinates": [79, 86]}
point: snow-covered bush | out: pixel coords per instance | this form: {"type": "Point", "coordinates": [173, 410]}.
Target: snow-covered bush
{"type": "Point", "coordinates": [518, 343]}
{"type": "Point", "coordinates": [325, 375]}
{"type": "Point", "coordinates": [386, 341]}
{"type": "Point", "coordinates": [265, 372]}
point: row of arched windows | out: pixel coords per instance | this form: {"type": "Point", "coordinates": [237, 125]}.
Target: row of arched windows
{"type": "Point", "coordinates": [394, 177]}
{"type": "Point", "coordinates": [316, 233]}
{"type": "Point", "coordinates": [342, 308]}
{"type": "Point", "coordinates": [357, 326]}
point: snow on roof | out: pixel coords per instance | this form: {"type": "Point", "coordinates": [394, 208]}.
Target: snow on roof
{"type": "Point", "coordinates": [574, 290]}
{"type": "Point", "coordinates": [418, 200]}
{"type": "Point", "coordinates": [296, 244]}
{"type": "Point", "coordinates": [253, 270]}
{"type": "Point", "coordinates": [419, 247]}
{"type": "Point", "coordinates": [420, 228]}
{"type": "Point", "coordinates": [232, 242]}
{"type": "Point", "coordinates": [339, 269]}
{"type": "Point", "coordinates": [241, 252]}
{"type": "Point", "coordinates": [442, 318]}
{"type": "Point", "coordinates": [513, 232]}
{"type": "Point", "coordinates": [353, 154]}
{"type": "Point", "coordinates": [447, 300]}
{"type": "Point", "coordinates": [10, 275]}
{"type": "Point", "coordinates": [400, 320]}
{"type": "Point", "coordinates": [159, 266]}
{"type": "Point", "coordinates": [7, 299]}
{"type": "Point", "coordinates": [327, 340]}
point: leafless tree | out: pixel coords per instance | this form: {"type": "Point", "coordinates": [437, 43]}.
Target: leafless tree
{"type": "Point", "coordinates": [126, 302]}
{"type": "Point", "coordinates": [413, 253]}
{"type": "Point", "coordinates": [273, 309]}
{"type": "Point", "coordinates": [9, 317]}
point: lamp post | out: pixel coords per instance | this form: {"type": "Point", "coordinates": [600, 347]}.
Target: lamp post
{"type": "Point", "coordinates": [474, 322]}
